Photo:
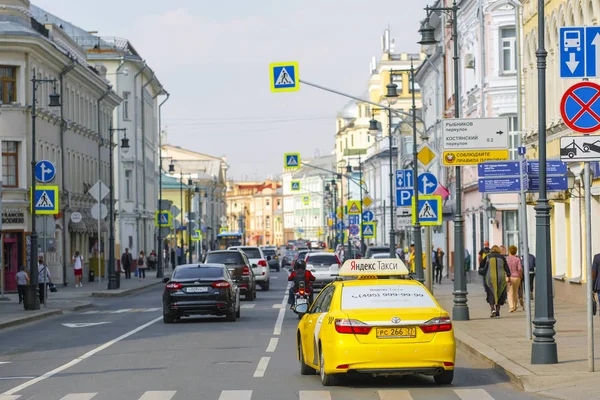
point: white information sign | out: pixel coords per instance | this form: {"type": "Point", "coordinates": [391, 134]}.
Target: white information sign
{"type": "Point", "coordinates": [475, 134]}
{"type": "Point", "coordinates": [386, 296]}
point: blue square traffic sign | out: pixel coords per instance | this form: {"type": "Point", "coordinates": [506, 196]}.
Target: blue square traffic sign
{"type": "Point", "coordinates": [45, 200]}
{"type": "Point", "coordinates": [592, 51]}
{"type": "Point", "coordinates": [284, 77]}
{"type": "Point", "coordinates": [579, 49]}
{"type": "Point", "coordinates": [353, 219]}
{"type": "Point", "coordinates": [404, 179]}
{"type": "Point", "coordinates": [404, 197]}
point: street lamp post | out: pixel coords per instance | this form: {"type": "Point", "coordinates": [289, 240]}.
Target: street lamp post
{"type": "Point", "coordinates": [417, 225]}
{"type": "Point", "coordinates": [335, 229]}
{"type": "Point", "coordinates": [460, 311]}
{"type": "Point", "coordinates": [360, 178]}
{"type": "Point", "coordinates": [113, 282]}
{"type": "Point", "coordinates": [181, 257]}
{"type": "Point", "coordinates": [392, 96]}
{"type": "Point", "coordinates": [189, 228]}
{"type": "Point", "coordinates": [32, 301]}
{"type": "Point", "coordinates": [350, 250]}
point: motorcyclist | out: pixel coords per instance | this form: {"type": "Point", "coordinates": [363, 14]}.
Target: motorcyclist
{"type": "Point", "coordinates": [300, 274]}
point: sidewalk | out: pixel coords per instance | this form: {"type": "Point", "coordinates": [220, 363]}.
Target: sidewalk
{"type": "Point", "coordinates": [71, 299]}
{"type": "Point", "coordinates": [503, 344]}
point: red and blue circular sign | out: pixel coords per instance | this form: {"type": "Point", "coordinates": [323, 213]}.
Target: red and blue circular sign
{"type": "Point", "coordinates": [354, 230]}
{"type": "Point", "coordinates": [580, 107]}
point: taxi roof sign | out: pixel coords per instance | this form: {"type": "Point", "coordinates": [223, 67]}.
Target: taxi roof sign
{"type": "Point", "coordinates": [373, 267]}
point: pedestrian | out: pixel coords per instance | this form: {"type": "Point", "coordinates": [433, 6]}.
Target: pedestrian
{"type": "Point", "coordinates": [77, 260]}
{"type": "Point", "coordinates": [22, 280]}
{"type": "Point", "coordinates": [126, 261]}
{"type": "Point", "coordinates": [531, 272]}
{"type": "Point", "coordinates": [439, 265]}
{"type": "Point", "coordinates": [503, 251]}
{"type": "Point", "coordinates": [142, 265]}
{"type": "Point", "coordinates": [496, 278]}
{"type": "Point", "coordinates": [516, 272]}
{"type": "Point", "coordinates": [596, 276]}
{"type": "Point", "coordinates": [467, 265]}
{"type": "Point", "coordinates": [483, 254]}
{"type": "Point", "coordinates": [152, 260]}
{"type": "Point", "coordinates": [43, 279]}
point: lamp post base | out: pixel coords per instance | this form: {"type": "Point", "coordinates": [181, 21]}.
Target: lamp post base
{"type": "Point", "coordinates": [159, 272]}
{"type": "Point", "coordinates": [112, 282]}
{"type": "Point", "coordinates": [460, 310]}
{"type": "Point", "coordinates": [31, 301]}
{"type": "Point", "coordinates": [544, 353]}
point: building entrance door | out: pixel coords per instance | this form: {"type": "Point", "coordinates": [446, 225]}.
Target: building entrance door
{"type": "Point", "coordinates": [10, 251]}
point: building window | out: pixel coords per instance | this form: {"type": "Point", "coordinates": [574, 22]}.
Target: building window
{"type": "Point", "coordinates": [128, 184]}
{"type": "Point", "coordinates": [514, 138]}
{"type": "Point", "coordinates": [8, 84]}
{"type": "Point", "coordinates": [267, 202]}
{"type": "Point", "coordinates": [508, 58]}
{"type": "Point", "coordinates": [278, 203]}
{"type": "Point", "coordinates": [352, 140]}
{"type": "Point", "coordinates": [267, 222]}
{"type": "Point", "coordinates": [126, 105]}
{"type": "Point", "coordinates": [511, 228]}
{"type": "Point", "coordinates": [10, 164]}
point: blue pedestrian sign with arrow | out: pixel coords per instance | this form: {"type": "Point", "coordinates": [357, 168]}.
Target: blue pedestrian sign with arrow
{"type": "Point", "coordinates": [368, 216]}
{"type": "Point", "coordinates": [579, 52]}
{"type": "Point", "coordinates": [427, 183]}
{"type": "Point", "coordinates": [45, 171]}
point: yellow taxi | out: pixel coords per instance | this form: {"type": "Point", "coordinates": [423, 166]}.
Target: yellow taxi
{"type": "Point", "coordinates": [378, 323]}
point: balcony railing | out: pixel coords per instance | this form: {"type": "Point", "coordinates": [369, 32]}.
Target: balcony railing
{"type": "Point", "coordinates": [105, 44]}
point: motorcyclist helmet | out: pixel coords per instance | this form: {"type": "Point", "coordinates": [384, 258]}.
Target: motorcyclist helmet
{"type": "Point", "coordinates": [300, 264]}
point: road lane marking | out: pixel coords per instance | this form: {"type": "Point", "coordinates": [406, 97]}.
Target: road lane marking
{"type": "Point", "coordinates": [274, 277]}
{"type": "Point", "coordinates": [79, 359]}
{"type": "Point", "coordinates": [272, 345]}
{"type": "Point", "coordinates": [314, 395]}
{"type": "Point", "coordinates": [120, 311]}
{"type": "Point", "coordinates": [92, 312]}
{"type": "Point", "coordinates": [394, 395]}
{"type": "Point", "coordinates": [7, 397]}
{"type": "Point", "coordinates": [261, 368]}
{"type": "Point", "coordinates": [278, 305]}
{"type": "Point", "coordinates": [158, 395]}
{"type": "Point", "coordinates": [279, 322]}
{"type": "Point", "coordinates": [151, 309]}
{"type": "Point", "coordinates": [473, 394]}
{"type": "Point", "coordinates": [234, 395]}
{"type": "Point", "coordinates": [248, 306]}
{"type": "Point", "coordinates": [84, 324]}
{"type": "Point", "coordinates": [10, 378]}
{"type": "Point", "coordinates": [5, 362]}
{"type": "Point", "coordinates": [79, 396]}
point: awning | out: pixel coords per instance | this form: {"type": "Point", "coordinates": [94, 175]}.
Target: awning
{"type": "Point", "coordinates": [88, 224]}
{"type": "Point", "coordinates": [79, 227]}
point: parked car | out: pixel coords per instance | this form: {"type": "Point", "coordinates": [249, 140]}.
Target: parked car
{"type": "Point", "coordinates": [271, 251]}
{"type": "Point", "coordinates": [324, 266]}
{"type": "Point", "coordinates": [258, 261]}
{"type": "Point", "coordinates": [239, 267]}
{"type": "Point", "coordinates": [200, 289]}
{"type": "Point", "coordinates": [376, 249]}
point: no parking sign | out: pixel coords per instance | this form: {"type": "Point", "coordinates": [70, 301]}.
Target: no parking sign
{"type": "Point", "coordinates": [580, 107]}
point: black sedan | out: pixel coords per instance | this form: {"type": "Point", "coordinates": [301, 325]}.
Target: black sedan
{"type": "Point", "coordinates": [200, 289]}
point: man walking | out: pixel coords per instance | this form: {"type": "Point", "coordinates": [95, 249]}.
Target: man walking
{"type": "Point", "coordinates": [43, 279]}
{"type": "Point", "coordinates": [126, 261]}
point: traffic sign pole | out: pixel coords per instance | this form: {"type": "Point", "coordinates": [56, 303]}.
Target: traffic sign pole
{"type": "Point", "coordinates": [588, 261]}
{"type": "Point", "coordinates": [525, 252]}
{"type": "Point", "coordinates": [416, 227]}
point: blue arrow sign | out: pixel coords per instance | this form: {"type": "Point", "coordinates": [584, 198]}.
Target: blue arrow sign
{"type": "Point", "coordinates": [353, 219]}
{"type": "Point", "coordinates": [499, 185]}
{"type": "Point", "coordinates": [501, 168]}
{"type": "Point", "coordinates": [368, 216]}
{"type": "Point", "coordinates": [572, 52]}
{"type": "Point", "coordinates": [404, 179]}
{"type": "Point", "coordinates": [354, 230]}
{"type": "Point", "coordinates": [553, 167]}
{"type": "Point", "coordinates": [45, 171]}
{"type": "Point", "coordinates": [553, 184]}
{"type": "Point", "coordinates": [427, 183]}
{"type": "Point", "coordinates": [592, 50]}
{"type": "Point", "coordinates": [340, 225]}
{"type": "Point", "coordinates": [404, 197]}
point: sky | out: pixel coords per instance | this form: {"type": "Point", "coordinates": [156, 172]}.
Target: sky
{"type": "Point", "coordinates": [213, 58]}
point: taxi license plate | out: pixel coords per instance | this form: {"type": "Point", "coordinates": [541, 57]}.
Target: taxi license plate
{"type": "Point", "coordinates": [392, 333]}
{"type": "Point", "coordinates": [196, 289]}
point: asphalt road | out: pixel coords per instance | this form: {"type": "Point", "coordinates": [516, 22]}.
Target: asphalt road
{"type": "Point", "coordinates": [130, 354]}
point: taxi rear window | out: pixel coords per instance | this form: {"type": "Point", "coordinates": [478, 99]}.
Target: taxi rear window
{"type": "Point", "coordinates": [386, 296]}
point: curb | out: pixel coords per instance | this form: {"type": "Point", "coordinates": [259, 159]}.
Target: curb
{"type": "Point", "coordinates": [123, 293]}
{"type": "Point", "coordinates": [30, 318]}
{"type": "Point", "coordinates": [82, 307]}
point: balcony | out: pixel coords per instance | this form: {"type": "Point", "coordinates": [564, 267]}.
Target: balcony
{"type": "Point", "coordinates": [106, 44]}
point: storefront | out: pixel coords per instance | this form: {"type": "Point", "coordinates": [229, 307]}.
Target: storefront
{"type": "Point", "coordinates": [13, 245]}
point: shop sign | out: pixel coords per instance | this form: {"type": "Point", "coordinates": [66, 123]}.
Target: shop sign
{"type": "Point", "coordinates": [13, 216]}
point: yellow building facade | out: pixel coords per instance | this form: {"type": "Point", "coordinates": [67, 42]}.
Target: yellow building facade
{"type": "Point", "coordinates": [568, 212]}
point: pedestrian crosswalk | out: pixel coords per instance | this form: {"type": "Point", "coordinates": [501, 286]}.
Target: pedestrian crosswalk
{"type": "Point", "coordinates": [122, 311]}
{"type": "Point", "coordinates": [338, 393]}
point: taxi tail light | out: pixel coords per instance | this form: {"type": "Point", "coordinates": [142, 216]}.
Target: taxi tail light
{"type": "Point", "coordinates": [352, 326]}
{"type": "Point", "coordinates": [174, 286]}
{"type": "Point", "coordinates": [441, 324]}
{"type": "Point", "coordinates": [262, 263]}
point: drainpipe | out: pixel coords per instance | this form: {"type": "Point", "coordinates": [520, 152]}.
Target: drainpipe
{"type": "Point", "coordinates": [118, 163]}
{"type": "Point", "coordinates": [135, 141]}
{"type": "Point", "coordinates": [143, 116]}
{"type": "Point", "coordinates": [100, 144]}
{"type": "Point", "coordinates": [160, 268]}
{"type": "Point", "coordinates": [63, 153]}
{"type": "Point", "coordinates": [487, 205]}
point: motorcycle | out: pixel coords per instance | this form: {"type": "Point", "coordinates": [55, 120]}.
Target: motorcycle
{"type": "Point", "coordinates": [301, 300]}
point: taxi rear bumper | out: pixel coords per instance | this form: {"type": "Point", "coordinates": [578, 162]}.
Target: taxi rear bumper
{"type": "Point", "coordinates": [429, 358]}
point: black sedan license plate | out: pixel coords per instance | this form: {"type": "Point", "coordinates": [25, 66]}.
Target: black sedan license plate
{"type": "Point", "coordinates": [196, 289]}
{"type": "Point", "coordinates": [391, 333]}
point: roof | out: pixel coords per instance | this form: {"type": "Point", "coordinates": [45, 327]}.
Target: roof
{"type": "Point", "coordinates": [170, 182]}
{"type": "Point", "coordinates": [350, 110]}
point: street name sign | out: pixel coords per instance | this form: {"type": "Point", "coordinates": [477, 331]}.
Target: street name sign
{"type": "Point", "coordinates": [580, 107]}
{"type": "Point", "coordinates": [45, 171]}
{"type": "Point", "coordinates": [45, 200]}
{"type": "Point", "coordinates": [291, 160]}
{"type": "Point", "coordinates": [368, 216]}
{"type": "Point", "coordinates": [579, 49]}
{"type": "Point", "coordinates": [285, 77]}
{"type": "Point", "coordinates": [501, 185]}
{"type": "Point", "coordinates": [295, 186]}
{"type": "Point", "coordinates": [428, 210]}
{"type": "Point", "coordinates": [427, 183]}
{"type": "Point", "coordinates": [501, 168]}
{"type": "Point", "coordinates": [580, 148]}
{"type": "Point", "coordinates": [474, 140]}
{"type": "Point", "coordinates": [553, 167]}
{"type": "Point", "coordinates": [553, 183]}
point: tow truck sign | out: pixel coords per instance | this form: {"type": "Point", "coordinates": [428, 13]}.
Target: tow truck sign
{"type": "Point", "coordinates": [580, 148]}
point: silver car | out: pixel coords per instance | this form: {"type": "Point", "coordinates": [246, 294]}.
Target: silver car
{"type": "Point", "coordinates": [324, 266]}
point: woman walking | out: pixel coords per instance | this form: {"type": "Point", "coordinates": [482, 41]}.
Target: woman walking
{"type": "Point", "coordinates": [516, 272]}
{"type": "Point", "coordinates": [496, 278]}
{"type": "Point", "coordinates": [439, 265]}
{"type": "Point", "coordinates": [142, 265]}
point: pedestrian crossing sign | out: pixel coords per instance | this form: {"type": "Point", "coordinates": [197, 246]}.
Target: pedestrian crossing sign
{"type": "Point", "coordinates": [295, 186]}
{"type": "Point", "coordinates": [196, 236]}
{"type": "Point", "coordinates": [354, 207]}
{"type": "Point", "coordinates": [163, 218]}
{"type": "Point", "coordinates": [306, 200]}
{"type": "Point", "coordinates": [369, 230]}
{"type": "Point", "coordinates": [428, 210]}
{"type": "Point", "coordinates": [291, 160]}
{"type": "Point", "coordinates": [45, 200]}
{"type": "Point", "coordinates": [284, 77]}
